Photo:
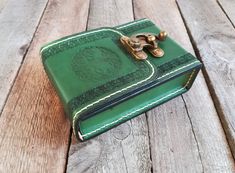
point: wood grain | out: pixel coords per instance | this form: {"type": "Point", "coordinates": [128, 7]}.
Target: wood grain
{"type": "Point", "coordinates": [34, 131]}
{"type": "Point", "coordinates": [2, 4]}
{"type": "Point", "coordinates": [229, 9]}
{"type": "Point", "coordinates": [122, 149]}
{"type": "Point", "coordinates": [185, 135]}
{"type": "Point", "coordinates": [126, 147]}
{"type": "Point", "coordinates": [19, 20]}
{"type": "Point", "coordinates": [213, 36]}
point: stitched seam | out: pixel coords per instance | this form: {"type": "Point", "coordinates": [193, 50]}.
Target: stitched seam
{"type": "Point", "coordinates": [177, 69]}
{"type": "Point", "coordinates": [76, 116]}
{"type": "Point", "coordinates": [90, 32]}
{"type": "Point", "coordinates": [86, 107]}
{"type": "Point", "coordinates": [153, 71]}
{"type": "Point", "coordinates": [137, 110]}
{"type": "Point", "coordinates": [124, 26]}
{"type": "Point", "coordinates": [105, 29]}
{"type": "Point", "coordinates": [119, 91]}
{"type": "Point", "coordinates": [76, 36]}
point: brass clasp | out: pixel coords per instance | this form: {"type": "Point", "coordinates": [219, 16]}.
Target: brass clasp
{"type": "Point", "coordinates": [136, 43]}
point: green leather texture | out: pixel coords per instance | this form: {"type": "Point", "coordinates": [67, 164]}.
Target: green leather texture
{"type": "Point", "coordinates": [101, 85]}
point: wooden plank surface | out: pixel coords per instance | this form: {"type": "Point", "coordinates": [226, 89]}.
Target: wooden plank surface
{"type": "Point", "coordinates": [122, 149]}
{"type": "Point", "coordinates": [2, 4]}
{"type": "Point", "coordinates": [229, 9]}
{"type": "Point", "coordinates": [213, 36]}
{"type": "Point", "coordinates": [126, 147]}
{"type": "Point", "coordinates": [34, 131]}
{"type": "Point", "coordinates": [183, 130]}
{"type": "Point", "coordinates": [18, 20]}
{"type": "Point", "coordinates": [183, 135]}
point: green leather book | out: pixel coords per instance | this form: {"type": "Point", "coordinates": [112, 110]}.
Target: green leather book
{"type": "Point", "coordinates": [107, 76]}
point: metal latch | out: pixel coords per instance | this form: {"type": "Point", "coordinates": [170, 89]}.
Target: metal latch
{"type": "Point", "coordinates": [136, 43]}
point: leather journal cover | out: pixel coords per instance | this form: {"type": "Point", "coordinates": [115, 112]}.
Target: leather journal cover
{"type": "Point", "coordinates": [102, 83]}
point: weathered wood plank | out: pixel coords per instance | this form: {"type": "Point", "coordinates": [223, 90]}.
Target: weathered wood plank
{"type": "Point", "coordinates": [126, 147]}
{"type": "Point", "coordinates": [229, 8]}
{"type": "Point", "coordinates": [122, 149]}
{"type": "Point", "coordinates": [34, 131]}
{"type": "Point", "coordinates": [2, 4]}
{"type": "Point", "coordinates": [185, 135]}
{"type": "Point", "coordinates": [19, 20]}
{"type": "Point", "coordinates": [173, 145]}
{"type": "Point", "coordinates": [213, 36]}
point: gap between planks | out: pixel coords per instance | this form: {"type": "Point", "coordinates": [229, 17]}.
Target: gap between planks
{"type": "Point", "coordinates": [23, 57]}
{"type": "Point", "coordinates": [228, 7]}
{"type": "Point", "coordinates": [17, 32]}
{"type": "Point", "coordinates": [34, 131]}
{"type": "Point", "coordinates": [215, 49]}
{"type": "Point", "coordinates": [128, 143]}
{"type": "Point", "coordinates": [212, 158]}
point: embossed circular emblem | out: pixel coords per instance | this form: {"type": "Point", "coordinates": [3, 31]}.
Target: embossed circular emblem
{"type": "Point", "coordinates": [96, 63]}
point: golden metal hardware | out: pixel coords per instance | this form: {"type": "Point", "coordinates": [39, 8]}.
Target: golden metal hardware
{"type": "Point", "coordinates": [136, 43]}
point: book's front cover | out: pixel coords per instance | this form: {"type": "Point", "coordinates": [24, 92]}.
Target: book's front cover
{"type": "Point", "coordinates": [92, 70]}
